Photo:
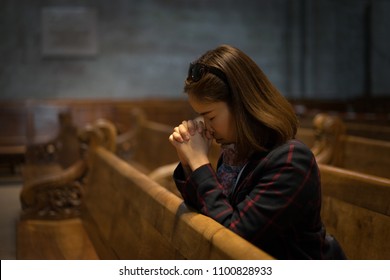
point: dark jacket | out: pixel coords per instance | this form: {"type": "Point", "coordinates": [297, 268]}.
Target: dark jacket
{"type": "Point", "coordinates": [275, 205]}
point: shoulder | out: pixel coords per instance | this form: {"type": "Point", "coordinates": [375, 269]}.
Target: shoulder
{"type": "Point", "coordinates": [292, 153]}
{"type": "Point", "coordinates": [291, 146]}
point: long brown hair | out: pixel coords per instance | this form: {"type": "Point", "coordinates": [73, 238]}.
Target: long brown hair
{"type": "Point", "coordinates": [264, 118]}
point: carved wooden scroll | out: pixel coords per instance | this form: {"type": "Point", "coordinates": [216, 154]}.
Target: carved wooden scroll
{"type": "Point", "coordinates": [59, 195]}
{"type": "Point", "coordinates": [328, 144]}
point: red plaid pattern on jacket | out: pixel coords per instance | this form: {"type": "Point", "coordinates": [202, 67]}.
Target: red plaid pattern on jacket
{"type": "Point", "coordinates": [276, 203]}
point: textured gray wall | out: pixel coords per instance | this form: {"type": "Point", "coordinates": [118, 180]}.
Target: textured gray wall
{"type": "Point", "coordinates": [313, 49]}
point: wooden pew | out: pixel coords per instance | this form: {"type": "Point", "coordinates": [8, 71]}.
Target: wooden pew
{"type": "Point", "coordinates": [151, 146]}
{"type": "Point", "coordinates": [114, 195]}
{"type": "Point", "coordinates": [124, 215]}
{"type": "Point", "coordinates": [52, 156]}
{"type": "Point", "coordinates": [367, 118]}
{"type": "Point", "coordinates": [34, 122]}
{"type": "Point", "coordinates": [366, 155]}
{"type": "Point", "coordinates": [23, 124]}
{"type": "Point", "coordinates": [360, 127]}
{"type": "Point", "coordinates": [329, 132]}
{"type": "Point", "coordinates": [356, 210]}
{"type": "Point", "coordinates": [368, 130]}
{"type": "Point", "coordinates": [356, 206]}
{"type": "Point", "coordinates": [64, 149]}
{"type": "Point", "coordinates": [61, 147]}
{"type": "Point", "coordinates": [331, 145]}
{"type": "Point", "coordinates": [129, 216]}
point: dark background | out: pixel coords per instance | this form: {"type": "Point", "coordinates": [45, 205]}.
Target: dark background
{"type": "Point", "coordinates": [314, 49]}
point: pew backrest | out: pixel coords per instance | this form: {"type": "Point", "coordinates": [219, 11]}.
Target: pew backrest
{"type": "Point", "coordinates": [129, 216]}
{"type": "Point", "coordinates": [152, 148]}
{"type": "Point", "coordinates": [366, 155]}
{"type": "Point", "coordinates": [356, 210]}
{"type": "Point", "coordinates": [332, 146]}
{"type": "Point", "coordinates": [306, 135]}
{"type": "Point", "coordinates": [369, 130]}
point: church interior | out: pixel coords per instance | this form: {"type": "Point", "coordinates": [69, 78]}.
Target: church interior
{"type": "Point", "coordinates": [91, 90]}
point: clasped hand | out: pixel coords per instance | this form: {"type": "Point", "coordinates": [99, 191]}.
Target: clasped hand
{"type": "Point", "coordinates": [192, 142]}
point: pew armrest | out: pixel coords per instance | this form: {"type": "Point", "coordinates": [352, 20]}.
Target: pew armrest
{"type": "Point", "coordinates": [55, 196]}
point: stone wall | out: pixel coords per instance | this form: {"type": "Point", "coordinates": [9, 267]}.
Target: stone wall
{"type": "Point", "coordinates": [308, 48]}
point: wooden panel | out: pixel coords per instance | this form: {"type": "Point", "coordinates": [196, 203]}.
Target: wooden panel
{"type": "Point", "coordinates": [363, 234]}
{"type": "Point", "coordinates": [367, 156]}
{"type": "Point", "coordinates": [373, 130]}
{"type": "Point", "coordinates": [356, 210]}
{"type": "Point", "coordinates": [306, 135]}
{"type": "Point", "coordinates": [356, 188]}
{"type": "Point", "coordinates": [152, 146]}
{"type": "Point", "coordinates": [54, 240]}
{"type": "Point", "coordinates": [360, 154]}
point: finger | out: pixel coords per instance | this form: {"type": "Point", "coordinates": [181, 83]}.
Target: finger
{"type": "Point", "coordinates": [209, 135]}
{"type": "Point", "coordinates": [183, 131]}
{"type": "Point", "coordinates": [201, 127]}
{"type": "Point", "coordinates": [192, 126]}
{"type": "Point", "coordinates": [177, 137]}
{"type": "Point", "coordinates": [176, 129]}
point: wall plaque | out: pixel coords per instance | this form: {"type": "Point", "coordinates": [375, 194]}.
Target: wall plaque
{"type": "Point", "coordinates": [69, 31]}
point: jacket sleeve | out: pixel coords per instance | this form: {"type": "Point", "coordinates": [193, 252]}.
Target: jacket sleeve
{"type": "Point", "coordinates": [277, 189]}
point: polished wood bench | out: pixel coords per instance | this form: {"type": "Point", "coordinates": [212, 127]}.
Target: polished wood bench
{"type": "Point", "coordinates": [151, 148]}
{"type": "Point", "coordinates": [129, 216]}
{"type": "Point", "coordinates": [366, 155]}
{"type": "Point", "coordinates": [331, 145]}
{"type": "Point", "coordinates": [123, 215]}
{"type": "Point", "coordinates": [356, 210]}
{"type": "Point", "coordinates": [367, 118]}
{"type": "Point", "coordinates": [370, 131]}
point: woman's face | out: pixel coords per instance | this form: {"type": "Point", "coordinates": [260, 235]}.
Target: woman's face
{"type": "Point", "coordinates": [218, 119]}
